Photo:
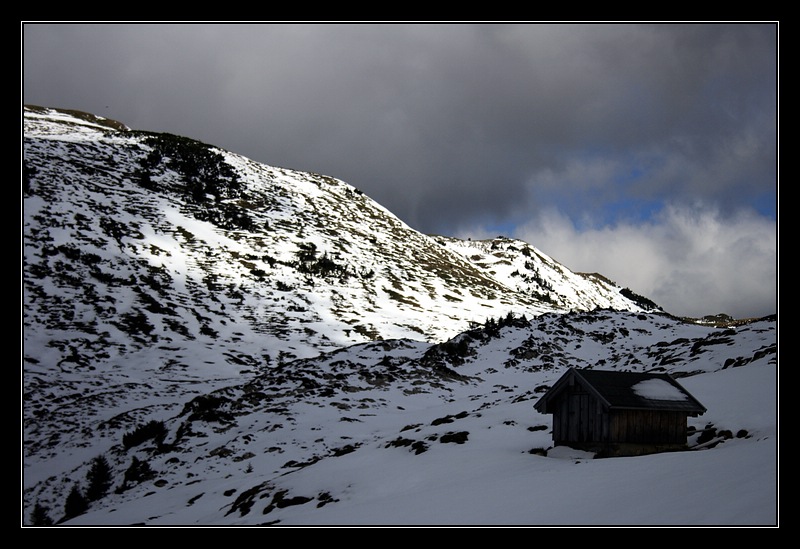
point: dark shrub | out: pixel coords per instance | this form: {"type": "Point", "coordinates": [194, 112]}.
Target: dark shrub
{"type": "Point", "coordinates": [76, 503]}
{"type": "Point", "coordinates": [138, 471]}
{"type": "Point", "coordinates": [208, 408]}
{"type": "Point", "coordinates": [39, 516]}
{"type": "Point", "coordinates": [708, 434]}
{"type": "Point", "coordinates": [458, 438]}
{"type": "Point", "coordinates": [99, 479]}
{"type": "Point", "coordinates": [155, 430]}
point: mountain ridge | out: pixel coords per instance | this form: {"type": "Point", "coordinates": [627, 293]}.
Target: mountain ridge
{"type": "Point", "coordinates": [280, 236]}
{"type": "Point", "coordinates": [172, 281]}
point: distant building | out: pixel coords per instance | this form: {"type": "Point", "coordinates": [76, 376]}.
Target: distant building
{"type": "Point", "coordinates": [619, 413]}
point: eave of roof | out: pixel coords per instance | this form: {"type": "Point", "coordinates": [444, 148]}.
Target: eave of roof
{"type": "Point", "coordinates": [615, 391]}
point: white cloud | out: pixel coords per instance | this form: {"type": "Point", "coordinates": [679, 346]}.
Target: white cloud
{"type": "Point", "coordinates": [691, 261]}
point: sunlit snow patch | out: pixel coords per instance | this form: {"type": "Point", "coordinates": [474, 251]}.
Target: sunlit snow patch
{"type": "Point", "coordinates": [658, 389]}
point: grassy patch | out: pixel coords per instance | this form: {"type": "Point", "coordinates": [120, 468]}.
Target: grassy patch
{"type": "Point", "coordinates": [401, 298]}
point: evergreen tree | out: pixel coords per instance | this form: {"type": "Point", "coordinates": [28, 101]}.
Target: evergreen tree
{"type": "Point", "coordinates": [39, 516]}
{"type": "Point", "coordinates": [98, 479]}
{"type": "Point", "coordinates": [76, 503]}
{"type": "Point", "coordinates": [138, 471]}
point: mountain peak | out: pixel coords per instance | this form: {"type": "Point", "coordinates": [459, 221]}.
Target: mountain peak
{"type": "Point", "coordinates": [72, 116]}
{"type": "Point", "coordinates": [303, 259]}
{"type": "Point", "coordinates": [167, 280]}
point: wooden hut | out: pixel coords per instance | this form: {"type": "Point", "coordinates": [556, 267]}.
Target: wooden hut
{"type": "Point", "coordinates": [619, 413]}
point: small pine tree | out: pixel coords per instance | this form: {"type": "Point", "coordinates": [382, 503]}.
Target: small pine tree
{"type": "Point", "coordinates": [76, 503]}
{"type": "Point", "coordinates": [39, 516]}
{"type": "Point", "coordinates": [98, 479]}
{"type": "Point", "coordinates": [138, 471]}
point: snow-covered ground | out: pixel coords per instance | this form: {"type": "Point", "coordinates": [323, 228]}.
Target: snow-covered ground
{"type": "Point", "coordinates": [494, 476]}
{"type": "Point", "coordinates": [133, 307]}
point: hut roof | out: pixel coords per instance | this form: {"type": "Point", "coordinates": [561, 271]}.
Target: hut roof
{"type": "Point", "coordinates": [626, 390]}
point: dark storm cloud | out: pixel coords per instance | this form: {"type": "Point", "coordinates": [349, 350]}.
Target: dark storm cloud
{"type": "Point", "coordinates": [455, 128]}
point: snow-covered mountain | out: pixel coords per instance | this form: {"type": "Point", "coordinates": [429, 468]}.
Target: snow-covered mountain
{"type": "Point", "coordinates": [217, 328]}
{"type": "Point", "coordinates": [207, 240]}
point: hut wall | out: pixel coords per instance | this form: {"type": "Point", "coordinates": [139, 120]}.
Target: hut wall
{"type": "Point", "coordinates": [580, 417]}
{"type": "Point", "coordinates": [648, 427]}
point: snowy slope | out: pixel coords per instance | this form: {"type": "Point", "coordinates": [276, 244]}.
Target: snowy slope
{"type": "Point", "coordinates": [527, 270]}
{"type": "Point", "coordinates": [402, 432]}
{"type": "Point", "coordinates": [140, 248]}
{"type": "Point", "coordinates": [281, 323]}
{"type": "Point", "coordinates": [288, 253]}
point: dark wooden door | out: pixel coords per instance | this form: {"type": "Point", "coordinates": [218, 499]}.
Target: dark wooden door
{"type": "Point", "coordinates": [578, 414]}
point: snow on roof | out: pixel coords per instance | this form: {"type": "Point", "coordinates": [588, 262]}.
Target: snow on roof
{"type": "Point", "coordinates": [658, 389]}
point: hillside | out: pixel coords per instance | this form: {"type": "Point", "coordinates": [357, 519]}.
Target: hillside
{"type": "Point", "coordinates": [265, 319]}
{"type": "Point", "coordinates": [403, 432]}
{"type": "Point", "coordinates": [293, 255]}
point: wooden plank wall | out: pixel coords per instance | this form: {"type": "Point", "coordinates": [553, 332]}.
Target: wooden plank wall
{"type": "Point", "coordinates": [580, 417]}
{"type": "Point", "coordinates": [654, 427]}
